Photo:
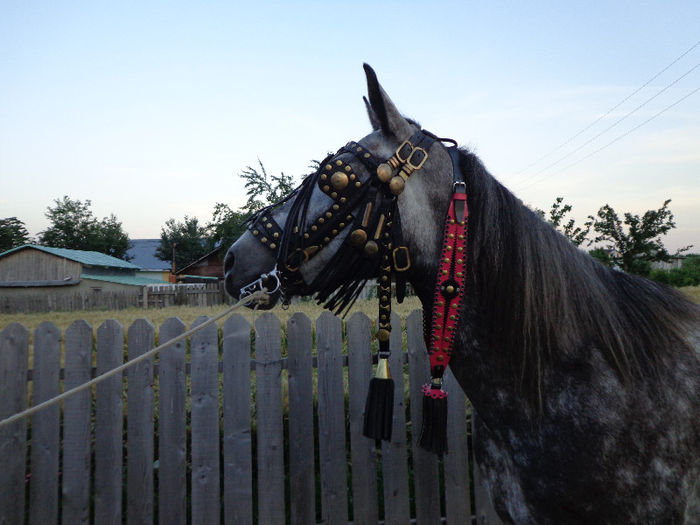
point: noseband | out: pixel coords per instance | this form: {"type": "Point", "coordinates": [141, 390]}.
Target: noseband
{"type": "Point", "coordinates": [373, 247]}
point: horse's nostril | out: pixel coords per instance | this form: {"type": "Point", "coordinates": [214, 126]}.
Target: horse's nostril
{"type": "Point", "coordinates": [228, 262]}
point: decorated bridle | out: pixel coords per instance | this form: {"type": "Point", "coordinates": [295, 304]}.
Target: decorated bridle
{"type": "Point", "coordinates": [374, 247]}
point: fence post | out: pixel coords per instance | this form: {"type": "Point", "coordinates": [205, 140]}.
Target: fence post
{"type": "Point", "coordinates": [76, 425]}
{"type": "Point", "coordinates": [43, 485]}
{"type": "Point", "coordinates": [268, 403]}
{"type": "Point", "coordinates": [108, 426]}
{"type": "Point", "coordinates": [331, 420]}
{"type": "Point", "coordinates": [301, 420]}
{"type": "Point", "coordinates": [204, 350]}
{"type": "Point", "coordinates": [172, 453]}
{"type": "Point", "coordinates": [14, 352]}
{"type": "Point", "coordinates": [139, 488]}
{"type": "Point", "coordinates": [238, 461]}
{"type": "Point", "coordinates": [363, 450]}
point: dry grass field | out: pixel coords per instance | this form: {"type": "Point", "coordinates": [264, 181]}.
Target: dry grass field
{"type": "Point", "coordinates": [189, 314]}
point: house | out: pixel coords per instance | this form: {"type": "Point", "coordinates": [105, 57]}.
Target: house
{"type": "Point", "coordinates": [142, 253]}
{"type": "Point", "coordinates": [209, 267]}
{"type": "Point", "coordinates": [33, 276]}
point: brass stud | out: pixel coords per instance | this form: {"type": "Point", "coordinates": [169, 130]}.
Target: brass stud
{"type": "Point", "coordinates": [452, 318]}
{"type": "Point", "coordinates": [348, 218]}
{"type": "Point", "coordinates": [366, 155]}
{"type": "Point", "coordinates": [343, 200]}
{"type": "Point", "coordinates": [326, 188]}
{"type": "Point", "coordinates": [256, 232]}
{"type": "Point", "coordinates": [371, 248]}
{"type": "Point", "coordinates": [334, 232]}
{"type": "Point", "coordinates": [459, 261]}
{"type": "Point", "coordinates": [449, 248]}
{"type": "Point", "coordinates": [321, 220]}
{"type": "Point", "coordinates": [396, 185]}
{"type": "Point", "coordinates": [359, 148]}
{"type": "Point", "coordinates": [338, 162]}
{"type": "Point", "coordinates": [385, 298]}
{"type": "Point", "coordinates": [334, 195]}
{"type": "Point", "coordinates": [460, 237]}
{"type": "Point", "coordinates": [460, 249]}
{"type": "Point", "coordinates": [324, 177]}
{"type": "Point", "coordinates": [341, 225]}
{"type": "Point", "coordinates": [384, 172]}
{"type": "Point", "coordinates": [348, 169]}
{"type": "Point", "coordinates": [339, 180]}
{"type": "Point", "coordinates": [450, 289]}
{"type": "Point", "coordinates": [358, 238]}
{"type": "Point", "coordinates": [273, 245]}
{"type": "Point", "coordinates": [358, 184]}
{"type": "Point", "coordinates": [276, 235]}
{"type": "Point", "coordinates": [314, 228]}
{"type": "Point", "coordinates": [268, 225]}
{"type": "Point", "coordinates": [451, 235]}
{"type": "Point", "coordinates": [329, 215]}
{"type": "Point", "coordinates": [336, 207]}
{"type": "Point", "coordinates": [440, 358]}
{"type": "Point", "coordinates": [263, 240]}
{"type": "Point", "coordinates": [383, 335]}
{"type": "Point", "coordinates": [353, 176]}
{"type": "Point", "coordinates": [306, 236]}
{"type": "Point", "coordinates": [329, 167]}
{"type": "Point", "coordinates": [326, 239]}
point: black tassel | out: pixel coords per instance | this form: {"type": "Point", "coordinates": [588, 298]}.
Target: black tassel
{"type": "Point", "coordinates": [433, 436]}
{"type": "Point", "coordinates": [379, 408]}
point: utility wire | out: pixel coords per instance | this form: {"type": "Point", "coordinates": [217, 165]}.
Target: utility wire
{"type": "Point", "coordinates": [579, 148]}
{"type": "Point", "coordinates": [619, 137]}
{"type": "Point", "coordinates": [589, 126]}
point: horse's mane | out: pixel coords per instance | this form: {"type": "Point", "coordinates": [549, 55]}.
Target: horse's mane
{"type": "Point", "coordinates": [542, 299]}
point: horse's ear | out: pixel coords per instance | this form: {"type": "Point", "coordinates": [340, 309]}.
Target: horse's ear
{"type": "Point", "coordinates": [384, 114]}
{"type": "Point", "coordinates": [373, 120]}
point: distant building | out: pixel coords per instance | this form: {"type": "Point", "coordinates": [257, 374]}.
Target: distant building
{"type": "Point", "coordinates": [205, 269]}
{"type": "Point", "coordinates": [142, 253]}
{"type": "Point", "coordinates": [30, 269]}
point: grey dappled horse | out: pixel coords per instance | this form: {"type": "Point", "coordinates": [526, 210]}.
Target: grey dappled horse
{"type": "Point", "coordinates": [586, 380]}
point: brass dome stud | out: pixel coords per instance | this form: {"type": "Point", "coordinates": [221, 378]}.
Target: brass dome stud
{"type": "Point", "coordinates": [358, 238]}
{"type": "Point", "coordinates": [384, 172]}
{"type": "Point", "coordinates": [371, 249]}
{"type": "Point", "coordinates": [339, 180]}
{"type": "Point", "coordinates": [396, 185]}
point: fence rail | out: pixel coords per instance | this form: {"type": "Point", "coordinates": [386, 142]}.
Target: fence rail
{"type": "Point", "coordinates": [226, 428]}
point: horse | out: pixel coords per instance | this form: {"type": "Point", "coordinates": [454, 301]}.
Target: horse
{"type": "Point", "coordinates": [585, 379]}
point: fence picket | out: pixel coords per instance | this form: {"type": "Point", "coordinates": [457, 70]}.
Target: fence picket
{"type": "Point", "coordinates": [172, 454]}
{"type": "Point", "coordinates": [205, 425]}
{"type": "Point", "coordinates": [238, 463]}
{"type": "Point", "coordinates": [331, 420]}
{"type": "Point", "coordinates": [75, 489]}
{"type": "Point", "coordinates": [268, 403]}
{"type": "Point", "coordinates": [395, 456]}
{"type": "Point", "coordinates": [457, 497]}
{"type": "Point", "coordinates": [425, 464]}
{"type": "Point", "coordinates": [301, 420]}
{"type": "Point", "coordinates": [43, 484]}
{"type": "Point", "coordinates": [108, 426]}
{"type": "Point", "coordinates": [362, 450]}
{"type": "Point", "coordinates": [14, 353]}
{"type": "Point", "coordinates": [139, 489]}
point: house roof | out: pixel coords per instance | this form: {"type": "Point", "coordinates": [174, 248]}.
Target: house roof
{"type": "Point", "coordinates": [142, 252]}
{"type": "Point", "coordinates": [132, 280]}
{"type": "Point", "coordinates": [84, 257]}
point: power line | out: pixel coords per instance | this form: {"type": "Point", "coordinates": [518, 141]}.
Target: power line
{"type": "Point", "coordinates": [589, 126]}
{"type": "Point", "coordinates": [619, 137]}
{"type": "Point", "coordinates": [579, 148]}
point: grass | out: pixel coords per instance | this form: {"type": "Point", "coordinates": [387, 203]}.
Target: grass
{"type": "Point", "coordinates": [188, 315]}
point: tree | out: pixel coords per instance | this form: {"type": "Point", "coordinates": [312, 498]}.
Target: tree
{"type": "Point", "coordinates": [74, 226]}
{"type": "Point", "coordinates": [226, 226]}
{"type": "Point", "coordinates": [13, 233]}
{"type": "Point", "coordinates": [264, 189]}
{"type": "Point", "coordinates": [557, 214]}
{"type": "Point", "coordinates": [187, 237]}
{"type": "Point", "coordinates": [633, 244]}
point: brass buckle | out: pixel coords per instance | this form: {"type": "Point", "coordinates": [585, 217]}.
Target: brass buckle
{"type": "Point", "coordinates": [307, 253]}
{"type": "Point", "coordinates": [408, 259]}
{"type": "Point", "coordinates": [422, 161]}
{"type": "Point", "coordinates": [405, 143]}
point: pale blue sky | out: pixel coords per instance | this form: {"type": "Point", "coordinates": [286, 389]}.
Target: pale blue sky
{"type": "Point", "coordinates": [151, 110]}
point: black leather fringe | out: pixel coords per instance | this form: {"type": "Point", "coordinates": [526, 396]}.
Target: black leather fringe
{"type": "Point", "coordinates": [433, 436]}
{"type": "Point", "coordinates": [379, 409]}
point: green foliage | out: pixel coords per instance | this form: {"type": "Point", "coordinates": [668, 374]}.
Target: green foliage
{"type": "Point", "coordinates": [557, 218]}
{"type": "Point", "coordinates": [188, 239]}
{"type": "Point", "coordinates": [13, 233]}
{"type": "Point", "coordinates": [687, 275]}
{"type": "Point", "coordinates": [74, 226]}
{"type": "Point", "coordinates": [601, 255]}
{"type": "Point", "coordinates": [263, 189]}
{"type": "Point", "coordinates": [635, 243]}
{"type": "Point", "coordinates": [226, 226]}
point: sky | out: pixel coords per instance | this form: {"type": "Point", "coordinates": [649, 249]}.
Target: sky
{"type": "Point", "coordinates": [151, 110]}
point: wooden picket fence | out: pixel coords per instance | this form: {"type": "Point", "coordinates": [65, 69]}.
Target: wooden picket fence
{"type": "Point", "coordinates": [226, 428]}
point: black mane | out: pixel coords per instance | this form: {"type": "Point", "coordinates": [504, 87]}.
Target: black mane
{"type": "Point", "coordinates": [542, 299]}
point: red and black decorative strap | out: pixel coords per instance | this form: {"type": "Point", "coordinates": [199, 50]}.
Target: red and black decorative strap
{"type": "Point", "coordinates": [444, 320]}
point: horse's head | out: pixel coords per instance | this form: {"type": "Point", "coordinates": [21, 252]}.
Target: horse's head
{"type": "Point", "coordinates": [376, 203]}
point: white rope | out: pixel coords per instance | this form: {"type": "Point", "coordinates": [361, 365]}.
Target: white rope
{"type": "Point", "coordinates": [132, 362]}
